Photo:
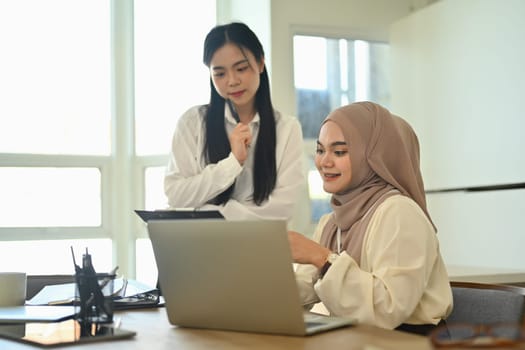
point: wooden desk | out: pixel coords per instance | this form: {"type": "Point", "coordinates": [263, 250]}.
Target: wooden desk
{"type": "Point", "coordinates": [154, 332]}
{"type": "Point", "coordinates": [485, 275]}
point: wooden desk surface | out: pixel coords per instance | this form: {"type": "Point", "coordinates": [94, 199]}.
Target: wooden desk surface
{"type": "Point", "coordinates": [485, 274]}
{"type": "Point", "coordinates": [154, 332]}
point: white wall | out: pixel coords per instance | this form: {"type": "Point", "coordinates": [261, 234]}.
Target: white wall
{"type": "Point", "coordinates": [480, 228]}
{"type": "Point", "coordinates": [256, 14]}
{"type": "Point", "coordinates": [458, 75]}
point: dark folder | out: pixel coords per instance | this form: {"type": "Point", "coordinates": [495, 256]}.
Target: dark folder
{"type": "Point", "coordinates": [147, 215]}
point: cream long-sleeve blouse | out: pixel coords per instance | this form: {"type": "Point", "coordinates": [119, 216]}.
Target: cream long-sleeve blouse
{"type": "Point", "coordinates": [401, 278]}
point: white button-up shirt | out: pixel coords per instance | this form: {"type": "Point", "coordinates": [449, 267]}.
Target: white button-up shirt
{"type": "Point", "coordinates": [189, 182]}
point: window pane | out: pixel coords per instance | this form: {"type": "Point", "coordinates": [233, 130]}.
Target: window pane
{"type": "Point", "coordinates": [154, 184]}
{"type": "Point", "coordinates": [146, 265]}
{"type": "Point", "coordinates": [55, 77]}
{"type": "Point", "coordinates": [380, 73]}
{"type": "Point", "coordinates": [320, 200]}
{"type": "Point", "coordinates": [34, 197]}
{"type": "Point", "coordinates": [55, 255]}
{"type": "Point", "coordinates": [310, 65]}
{"type": "Point", "coordinates": [362, 70]}
{"type": "Point", "coordinates": [155, 199]}
{"type": "Point", "coordinates": [360, 66]}
{"type": "Point", "coordinates": [169, 74]}
{"type": "Point", "coordinates": [344, 62]}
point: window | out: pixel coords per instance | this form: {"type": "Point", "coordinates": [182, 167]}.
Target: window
{"type": "Point", "coordinates": [55, 134]}
{"type": "Point", "coordinates": [169, 74]}
{"type": "Point", "coordinates": [329, 73]}
{"type": "Point", "coordinates": [73, 91]}
{"type": "Point", "coordinates": [169, 78]}
{"type": "Point", "coordinates": [42, 196]}
{"type": "Point", "coordinates": [55, 71]}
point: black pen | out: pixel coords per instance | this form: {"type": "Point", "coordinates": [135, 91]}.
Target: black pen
{"type": "Point", "coordinates": [233, 111]}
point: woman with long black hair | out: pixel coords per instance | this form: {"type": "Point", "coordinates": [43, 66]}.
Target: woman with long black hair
{"type": "Point", "coordinates": [237, 153]}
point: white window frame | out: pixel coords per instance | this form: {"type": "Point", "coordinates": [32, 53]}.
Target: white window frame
{"type": "Point", "coordinates": [122, 172]}
{"type": "Point", "coordinates": [309, 144]}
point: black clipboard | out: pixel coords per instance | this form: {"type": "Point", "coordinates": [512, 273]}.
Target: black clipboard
{"type": "Point", "coordinates": [147, 215]}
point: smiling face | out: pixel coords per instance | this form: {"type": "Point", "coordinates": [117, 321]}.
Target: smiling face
{"type": "Point", "coordinates": [332, 158]}
{"type": "Point", "coordinates": [236, 75]}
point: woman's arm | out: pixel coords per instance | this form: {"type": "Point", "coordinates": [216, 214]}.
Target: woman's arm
{"type": "Point", "coordinates": [290, 179]}
{"type": "Point", "coordinates": [399, 253]}
{"type": "Point", "coordinates": [306, 274]}
{"type": "Point", "coordinates": [187, 182]}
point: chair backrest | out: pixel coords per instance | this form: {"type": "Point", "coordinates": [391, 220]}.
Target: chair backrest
{"type": "Point", "coordinates": [481, 303]}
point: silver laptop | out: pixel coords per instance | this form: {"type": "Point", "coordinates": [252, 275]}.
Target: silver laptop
{"type": "Point", "coordinates": [232, 275]}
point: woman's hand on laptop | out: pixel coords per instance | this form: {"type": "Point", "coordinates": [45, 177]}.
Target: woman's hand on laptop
{"type": "Point", "coordinates": [306, 251]}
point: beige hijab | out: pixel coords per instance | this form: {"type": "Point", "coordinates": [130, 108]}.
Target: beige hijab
{"type": "Point", "coordinates": [384, 152]}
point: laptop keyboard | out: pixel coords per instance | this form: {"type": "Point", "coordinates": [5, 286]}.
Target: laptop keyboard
{"type": "Point", "coordinates": [312, 320]}
{"type": "Point", "coordinates": [314, 324]}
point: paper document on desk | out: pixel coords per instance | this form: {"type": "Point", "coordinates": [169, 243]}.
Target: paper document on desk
{"type": "Point", "coordinates": [66, 293]}
{"type": "Point", "coordinates": [126, 294]}
{"type": "Point", "coordinates": [138, 295]}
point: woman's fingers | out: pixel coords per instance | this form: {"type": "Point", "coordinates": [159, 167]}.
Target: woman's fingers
{"type": "Point", "coordinates": [240, 141]}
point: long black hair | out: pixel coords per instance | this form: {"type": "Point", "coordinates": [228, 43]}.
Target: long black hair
{"type": "Point", "coordinates": [217, 145]}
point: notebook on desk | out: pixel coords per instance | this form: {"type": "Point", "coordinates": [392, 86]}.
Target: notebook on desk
{"type": "Point", "coordinates": [231, 275]}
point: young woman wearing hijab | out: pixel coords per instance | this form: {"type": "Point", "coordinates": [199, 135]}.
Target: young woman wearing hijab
{"type": "Point", "coordinates": [236, 153]}
{"type": "Point", "coordinates": [376, 257]}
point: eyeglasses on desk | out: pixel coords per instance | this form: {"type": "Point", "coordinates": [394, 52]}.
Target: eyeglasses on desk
{"type": "Point", "coordinates": [478, 336]}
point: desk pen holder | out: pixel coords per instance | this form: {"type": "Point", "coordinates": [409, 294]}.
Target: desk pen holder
{"type": "Point", "coordinates": [95, 297]}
